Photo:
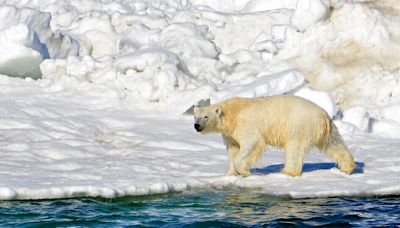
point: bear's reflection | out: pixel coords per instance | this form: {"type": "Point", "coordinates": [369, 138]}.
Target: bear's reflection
{"type": "Point", "coordinates": [252, 208]}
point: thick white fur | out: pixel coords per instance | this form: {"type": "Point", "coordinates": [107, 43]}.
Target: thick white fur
{"type": "Point", "coordinates": [288, 122]}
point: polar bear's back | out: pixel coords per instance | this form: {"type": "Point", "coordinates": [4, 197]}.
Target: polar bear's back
{"type": "Point", "coordinates": [281, 104]}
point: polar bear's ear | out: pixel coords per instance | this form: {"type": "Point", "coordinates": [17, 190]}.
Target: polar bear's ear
{"type": "Point", "coordinates": [218, 111]}
{"type": "Point", "coordinates": [195, 109]}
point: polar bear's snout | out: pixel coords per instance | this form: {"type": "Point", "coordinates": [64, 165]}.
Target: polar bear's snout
{"type": "Point", "coordinates": [197, 127]}
{"type": "Point", "coordinates": [199, 124]}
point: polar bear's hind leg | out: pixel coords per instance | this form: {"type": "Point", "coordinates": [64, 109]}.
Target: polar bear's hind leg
{"type": "Point", "coordinates": [337, 151]}
{"type": "Point", "coordinates": [294, 158]}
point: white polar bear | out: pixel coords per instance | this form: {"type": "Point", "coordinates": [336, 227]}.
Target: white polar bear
{"type": "Point", "coordinates": [289, 122]}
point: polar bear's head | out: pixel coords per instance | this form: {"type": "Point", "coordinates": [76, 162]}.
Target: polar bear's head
{"type": "Point", "coordinates": [206, 118]}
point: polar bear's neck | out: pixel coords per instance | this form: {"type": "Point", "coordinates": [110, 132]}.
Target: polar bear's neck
{"type": "Point", "coordinates": [227, 122]}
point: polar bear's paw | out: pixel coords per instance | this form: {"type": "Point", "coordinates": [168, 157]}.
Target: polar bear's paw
{"type": "Point", "coordinates": [290, 173]}
{"type": "Point", "coordinates": [232, 172]}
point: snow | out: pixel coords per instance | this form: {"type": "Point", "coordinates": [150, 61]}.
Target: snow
{"type": "Point", "coordinates": [358, 116]}
{"type": "Point", "coordinates": [26, 39]}
{"type": "Point", "coordinates": [307, 13]}
{"type": "Point", "coordinates": [92, 93]}
{"type": "Point", "coordinates": [320, 98]}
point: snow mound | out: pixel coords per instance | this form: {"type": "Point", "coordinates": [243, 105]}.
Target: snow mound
{"type": "Point", "coordinates": [347, 58]}
{"type": "Point", "coordinates": [158, 76]}
{"type": "Point", "coordinates": [21, 52]}
{"type": "Point", "coordinates": [26, 39]}
{"type": "Point", "coordinates": [260, 5]}
{"type": "Point", "coordinates": [308, 13]}
{"type": "Point", "coordinates": [151, 74]}
{"type": "Point", "coordinates": [320, 98]}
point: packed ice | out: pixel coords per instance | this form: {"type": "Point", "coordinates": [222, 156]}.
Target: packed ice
{"type": "Point", "coordinates": [94, 94]}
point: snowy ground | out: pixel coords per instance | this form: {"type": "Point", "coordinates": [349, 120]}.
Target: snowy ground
{"type": "Point", "coordinates": [92, 92]}
{"type": "Point", "coordinates": [58, 144]}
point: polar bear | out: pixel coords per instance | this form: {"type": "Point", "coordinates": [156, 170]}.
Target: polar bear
{"type": "Point", "coordinates": [293, 123]}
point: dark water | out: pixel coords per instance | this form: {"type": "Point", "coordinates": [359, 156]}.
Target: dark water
{"type": "Point", "coordinates": [203, 209]}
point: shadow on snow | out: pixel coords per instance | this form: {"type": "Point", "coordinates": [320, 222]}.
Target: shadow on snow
{"type": "Point", "coordinates": [307, 167]}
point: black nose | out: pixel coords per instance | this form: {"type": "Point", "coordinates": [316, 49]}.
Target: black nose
{"type": "Point", "coordinates": [197, 126]}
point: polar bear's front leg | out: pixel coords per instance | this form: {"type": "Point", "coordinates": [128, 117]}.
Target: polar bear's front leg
{"type": "Point", "coordinates": [232, 152]}
{"type": "Point", "coordinates": [242, 162]}
{"type": "Point", "coordinates": [233, 149]}
{"type": "Point", "coordinates": [294, 158]}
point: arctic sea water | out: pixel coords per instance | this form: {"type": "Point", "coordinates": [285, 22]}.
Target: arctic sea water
{"type": "Point", "coordinates": [203, 209]}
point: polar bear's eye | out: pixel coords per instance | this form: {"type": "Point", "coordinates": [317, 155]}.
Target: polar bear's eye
{"type": "Point", "coordinates": [206, 117]}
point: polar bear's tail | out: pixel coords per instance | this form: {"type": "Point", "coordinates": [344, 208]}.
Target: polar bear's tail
{"type": "Point", "coordinates": [337, 150]}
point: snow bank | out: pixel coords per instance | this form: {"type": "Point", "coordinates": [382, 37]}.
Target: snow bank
{"type": "Point", "coordinates": [223, 5]}
{"type": "Point", "coordinates": [320, 98]}
{"type": "Point", "coordinates": [21, 52]}
{"type": "Point", "coordinates": [158, 76]}
{"type": "Point", "coordinates": [358, 116]}
{"type": "Point", "coordinates": [349, 52]}
{"type": "Point", "coordinates": [388, 122]}
{"type": "Point", "coordinates": [26, 39]}
{"type": "Point", "coordinates": [260, 5]}
{"type": "Point", "coordinates": [214, 47]}
{"type": "Point", "coordinates": [308, 13]}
